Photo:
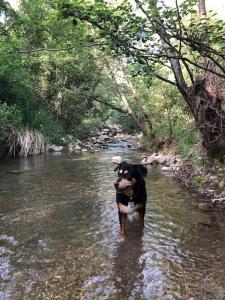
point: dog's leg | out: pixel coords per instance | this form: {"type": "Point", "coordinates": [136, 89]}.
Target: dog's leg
{"type": "Point", "coordinates": [141, 218]}
{"type": "Point", "coordinates": [140, 214]}
{"type": "Point", "coordinates": [122, 219]}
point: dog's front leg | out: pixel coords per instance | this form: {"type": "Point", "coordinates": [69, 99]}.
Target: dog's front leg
{"type": "Point", "coordinates": [122, 219]}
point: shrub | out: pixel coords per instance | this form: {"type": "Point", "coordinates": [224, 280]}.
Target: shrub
{"type": "Point", "coordinates": [87, 127]}
{"type": "Point", "coordinates": [10, 114]}
{"type": "Point", "coordinates": [49, 126]}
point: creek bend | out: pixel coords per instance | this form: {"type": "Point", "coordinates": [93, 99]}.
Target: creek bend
{"type": "Point", "coordinates": [59, 229]}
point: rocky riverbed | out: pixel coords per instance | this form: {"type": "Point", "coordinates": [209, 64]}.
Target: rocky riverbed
{"type": "Point", "coordinates": [208, 182]}
{"type": "Point", "coordinates": [107, 134]}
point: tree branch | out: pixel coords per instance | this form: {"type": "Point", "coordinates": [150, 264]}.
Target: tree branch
{"type": "Point", "coordinates": [95, 98]}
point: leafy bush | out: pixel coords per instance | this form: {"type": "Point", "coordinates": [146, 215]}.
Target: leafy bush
{"type": "Point", "coordinates": [87, 127]}
{"type": "Point", "coordinates": [49, 126]}
{"type": "Point", "coordinates": [186, 136]}
{"type": "Point", "coordinates": [127, 124]}
{"type": "Point", "coordinates": [10, 114]}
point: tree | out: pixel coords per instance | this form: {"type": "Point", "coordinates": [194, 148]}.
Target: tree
{"type": "Point", "coordinates": [152, 35]}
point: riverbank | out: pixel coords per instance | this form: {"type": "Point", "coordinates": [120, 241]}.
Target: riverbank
{"type": "Point", "coordinates": [195, 172]}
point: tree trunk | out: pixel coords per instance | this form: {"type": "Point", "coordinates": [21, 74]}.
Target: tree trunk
{"type": "Point", "coordinates": [203, 98]}
{"type": "Point", "coordinates": [137, 122]}
{"type": "Point", "coordinates": [138, 101]}
{"type": "Point", "coordinates": [206, 103]}
{"type": "Point", "coordinates": [201, 8]}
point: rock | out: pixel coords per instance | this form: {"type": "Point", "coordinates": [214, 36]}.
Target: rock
{"type": "Point", "coordinates": [201, 218]}
{"type": "Point", "coordinates": [152, 158]}
{"type": "Point", "coordinates": [175, 167]}
{"type": "Point", "coordinates": [165, 169]}
{"type": "Point", "coordinates": [78, 142]}
{"type": "Point", "coordinates": [77, 148]}
{"type": "Point", "coordinates": [54, 148]}
{"type": "Point", "coordinates": [205, 206]}
{"type": "Point", "coordinates": [144, 161]}
{"type": "Point", "coordinates": [117, 159]}
{"type": "Point", "coordinates": [105, 137]}
{"type": "Point", "coordinates": [15, 171]}
{"type": "Point", "coordinates": [162, 159]}
{"type": "Point", "coordinates": [218, 201]}
{"type": "Point", "coordinates": [170, 160]}
{"type": "Point", "coordinates": [212, 178]}
{"type": "Point", "coordinates": [93, 139]}
{"type": "Point", "coordinates": [221, 184]}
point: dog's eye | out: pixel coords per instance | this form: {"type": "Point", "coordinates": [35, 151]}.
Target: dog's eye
{"type": "Point", "coordinates": [125, 172]}
{"type": "Point", "coordinates": [120, 171]}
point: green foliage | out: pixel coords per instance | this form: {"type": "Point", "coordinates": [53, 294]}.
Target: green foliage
{"type": "Point", "coordinates": [87, 127]}
{"type": "Point", "coordinates": [54, 79]}
{"type": "Point", "coordinates": [49, 126]}
{"type": "Point", "coordinates": [186, 136]}
{"type": "Point", "coordinates": [197, 181]}
{"type": "Point", "coordinates": [10, 114]}
{"type": "Point", "coordinates": [127, 124]}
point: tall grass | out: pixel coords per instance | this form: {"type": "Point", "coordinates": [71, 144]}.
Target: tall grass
{"type": "Point", "coordinates": [22, 144]}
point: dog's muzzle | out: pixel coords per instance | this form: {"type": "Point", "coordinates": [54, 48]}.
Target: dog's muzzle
{"type": "Point", "coordinates": [123, 184]}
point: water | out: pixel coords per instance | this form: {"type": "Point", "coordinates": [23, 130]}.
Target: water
{"type": "Point", "coordinates": [59, 229]}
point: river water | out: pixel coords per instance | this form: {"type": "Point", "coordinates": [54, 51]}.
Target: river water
{"type": "Point", "coordinates": [59, 229]}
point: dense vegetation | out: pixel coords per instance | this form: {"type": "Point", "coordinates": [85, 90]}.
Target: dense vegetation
{"type": "Point", "coordinates": [68, 66]}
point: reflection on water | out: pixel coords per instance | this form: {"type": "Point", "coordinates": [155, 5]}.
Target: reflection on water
{"type": "Point", "coordinates": [59, 228]}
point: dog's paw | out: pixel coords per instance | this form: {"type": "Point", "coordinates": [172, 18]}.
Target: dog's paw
{"type": "Point", "coordinates": [125, 209]}
{"type": "Point", "coordinates": [121, 238]}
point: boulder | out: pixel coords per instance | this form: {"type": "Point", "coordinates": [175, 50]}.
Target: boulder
{"type": "Point", "coordinates": [161, 159]}
{"type": "Point", "coordinates": [77, 147]}
{"type": "Point", "coordinates": [152, 159]}
{"type": "Point", "coordinates": [54, 148]}
{"type": "Point", "coordinates": [165, 169]}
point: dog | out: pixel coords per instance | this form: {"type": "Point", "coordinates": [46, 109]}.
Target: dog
{"type": "Point", "coordinates": [130, 187]}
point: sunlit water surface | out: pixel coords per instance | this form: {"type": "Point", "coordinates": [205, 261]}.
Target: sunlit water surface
{"type": "Point", "coordinates": [59, 229]}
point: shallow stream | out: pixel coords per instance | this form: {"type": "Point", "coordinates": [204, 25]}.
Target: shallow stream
{"type": "Point", "coordinates": [59, 229]}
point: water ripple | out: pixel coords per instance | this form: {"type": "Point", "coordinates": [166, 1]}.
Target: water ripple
{"type": "Point", "coordinates": [59, 229]}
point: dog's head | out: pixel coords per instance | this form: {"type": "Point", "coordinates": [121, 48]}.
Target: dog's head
{"type": "Point", "coordinates": [129, 174]}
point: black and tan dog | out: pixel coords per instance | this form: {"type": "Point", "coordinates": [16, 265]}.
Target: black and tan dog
{"type": "Point", "coordinates": [130, 187]}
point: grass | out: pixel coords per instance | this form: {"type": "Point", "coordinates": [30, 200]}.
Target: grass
{"type": "Point", "coordinates": [26, 143]}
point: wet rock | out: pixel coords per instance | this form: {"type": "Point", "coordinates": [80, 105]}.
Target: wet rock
{"type": "Point", "coordinates": [201, 218]}
{"type": "Point", "coordinates": [15, 171]}
{"type": "Point", "coordinates": [108, 134]}
{"type": "Point", "coordinates": [205, 206]}
{"type": "Point", "coordinates": [54, 148]}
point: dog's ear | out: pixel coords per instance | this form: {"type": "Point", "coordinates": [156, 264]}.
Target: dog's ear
{"type": "Point", "coordinates": [120, 165]}
{"type": "Point", "coordinates": [117, 167]}
{"type": "Point", "coordinates": [142, 170]}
